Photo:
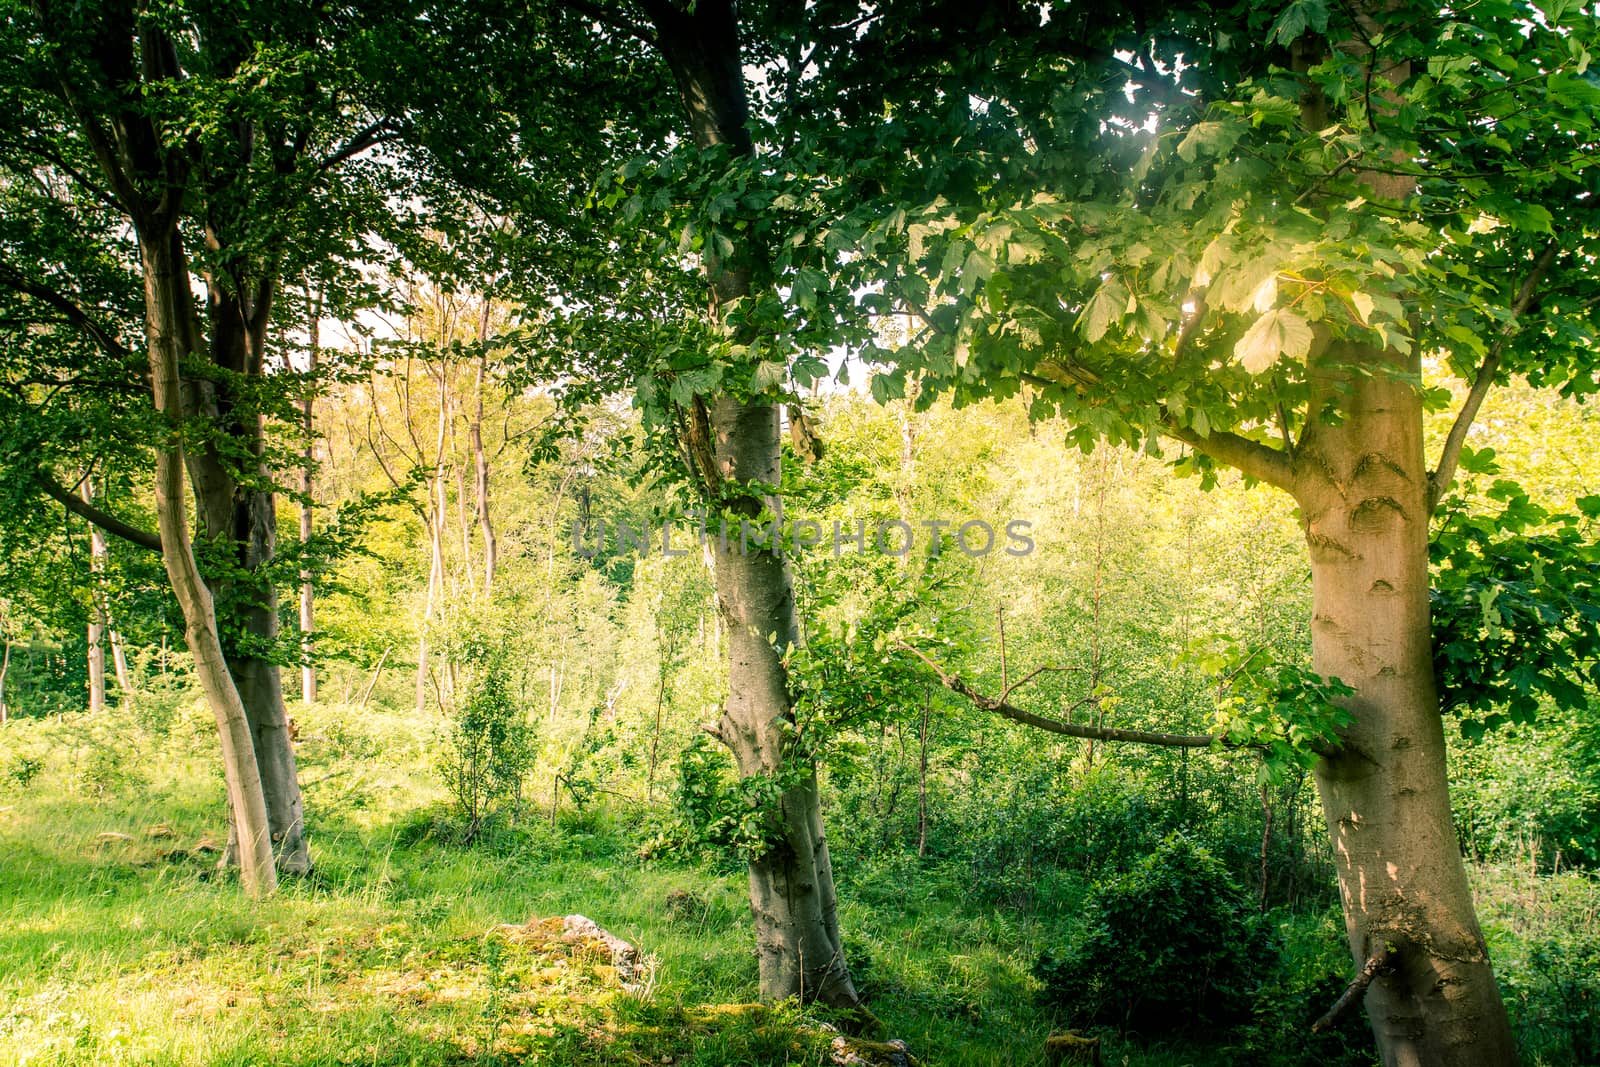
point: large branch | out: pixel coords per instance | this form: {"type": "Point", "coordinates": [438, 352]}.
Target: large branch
{"type": "Point", "coordinates": [1000, 707]}
{"type": "Point", "coordinates": [614, 20]}
{"type": "Point", "coordinates": [379, 132]}
{"type": "Point", "coordinates": [1450, 455]}
{"type": "Point", "coordinates": [68, 309]}
{"type": "Point", "coordinates": [105, 520]}
{"type": "Point", "coordinates": [1261, 462]}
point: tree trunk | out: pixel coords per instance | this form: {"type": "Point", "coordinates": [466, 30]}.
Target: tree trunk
{"type": "Point", "coordinates": [1361, 483]}
{"type": "Point", "coordinates": [792, 898]}
{"type": "Point", "coordinates": [239, 524]}
{"type": "Point", "coordinates": [791, 885]}
{"type": "Point", "coordinates": [260, 684]}
{"type": "Point", "coordinates": [480, 466]}
{"type": "Point", "coordinates": [169, 332]}
{"type": "Point", "coordinates": [5, 668]}
{"type": "Point", "coordinates": [922, 776]}
{"type": "Point", "coordinates": [308, 671]}
{"type": "Point", "coordinates": [119, 659]}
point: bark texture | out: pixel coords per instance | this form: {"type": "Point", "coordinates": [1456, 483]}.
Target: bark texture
{"type": "Point", "coordinates": [1362, 485]}
{"type": "Point", "coordinates": [792, 894]}
{"type": "Point", "coordinates": [169, 332]}
{"type": "Point", "coordinates": [308, 463]}
{"type": "Point", "coordinates": [238, 520]}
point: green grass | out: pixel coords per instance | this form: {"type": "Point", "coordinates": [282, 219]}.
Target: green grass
{"type": "Point", "coordinates": [136, 950]}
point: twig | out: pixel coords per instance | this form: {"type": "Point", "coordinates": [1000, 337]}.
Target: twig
{"type": "Point", "coordinates": [1442, 475]}
{"type": "Point", "coordinates": [1353, 993]}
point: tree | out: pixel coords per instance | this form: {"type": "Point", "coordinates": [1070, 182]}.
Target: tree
{"type": "Point", "coordinates": [198, 144]}
{"type": "Point", "coordinates": [1245, 234]}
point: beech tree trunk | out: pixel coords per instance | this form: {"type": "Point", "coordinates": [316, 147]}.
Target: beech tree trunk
{"type": "Point", "coordinates": [1362, 485]}
{"type": "Point", "coordinates": [238, 521]}
{"type": "Point", "coordinates": [792, 897]}
{"type": "Point", "coordinates": [480, 468]}
{"type": "Point", "coordinates": [170, 335]}
{"type": "Point", "coordinates": [791, 886]}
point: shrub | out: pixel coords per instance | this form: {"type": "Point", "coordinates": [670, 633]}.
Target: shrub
{"type": "Point", "coordinates": [1313, 971]}
{"type": "Point", "coordinates": [1171, 945]}
{"type": "Point", "coordinates": [24, 769]}
{"type": "Point", "coordinates": [488, 748]}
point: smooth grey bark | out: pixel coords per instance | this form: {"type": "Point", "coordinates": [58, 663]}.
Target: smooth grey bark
{"type": "Point", "coordinates": [792, 895]}
{"type": "Point", "coordinates": [480, 469]}
{"type": "Point", "coordinates": [308, 593]}
{"type": "Point", "coordinates": [97, 616]}
{"type": "Point", "coordinates": [1362, 485]}
{"type": "Point", "coordinates": [149, 178]}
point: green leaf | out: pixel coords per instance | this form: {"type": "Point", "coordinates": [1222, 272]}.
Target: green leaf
{"type": "Point", "coordinates": [1276, 334]}
{"type": "Point", "coordinates": [767, 375]}
{"type": "Point", "coordinates": [1107, 305]}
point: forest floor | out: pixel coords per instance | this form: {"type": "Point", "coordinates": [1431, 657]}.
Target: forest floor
{"type": "Point", "coordinates": [121, 943]}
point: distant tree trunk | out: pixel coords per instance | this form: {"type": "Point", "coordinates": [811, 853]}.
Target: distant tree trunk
{"type": "Point", "coordinates": [119, 659]}
{"type": "Point", "coordinates": [480, 465]}
{"type": "Point", "coordinates": [97, 615]}
{"type": "Point", "coordinates": [922, 776]}
{"type": "Point", "coordinates": [5, 668]}
{"type": "Point", "coordinates": [170, 332]}
{"type": "Point", "coordinates": [308, 670]}
{"type": "Point", "coordinates": [792, 896]}
{"type": "Point", "coordinates": [102, 627]}
{"type": "Point", "coordinates": [1362, 486]}
{"type": "Point", "coordinates": [661, 700]}
{"type": "Point", "coordinates": [433, 519]}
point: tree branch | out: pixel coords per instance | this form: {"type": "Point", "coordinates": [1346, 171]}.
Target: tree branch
{"type": "Point", "coordinates": [1450, 455]}
{"type": "Point", "coordinates": [1261, 462]}
{"type": "Point", "coordinates": [105, 520]}
{"type": "Point", "coordinates": [1353, 993]}
{"type": "Point", "coordinates": [613, 19]}
{"type": "Point", "coordinates": [1067, 729]}
{"type": "Point", "coordinates": [377, 133]}
{"type": "Point", "coordinates": [68, 309]}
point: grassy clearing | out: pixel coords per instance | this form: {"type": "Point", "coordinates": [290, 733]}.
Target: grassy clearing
{"type": "Point", "coordinates": [120, 942]}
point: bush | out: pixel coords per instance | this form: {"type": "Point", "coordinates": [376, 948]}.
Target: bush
{"type": "Point", "coordinates": [488, 748]}
{"type": "Point", "coordinates": [1313, 971]}
{"type": "Point", "coordinates": [1171, 945]}
{"type": "Point", "coordinates": [1014, 832]}
{"type": "Point", "coordinates": [23, 770]}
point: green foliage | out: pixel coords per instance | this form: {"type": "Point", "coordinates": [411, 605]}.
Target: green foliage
{"type": "Point", "coordinates": [488, 745]}
{"type": "Point", "coordinates": [1516, 604]}
{"type": "Point", "coordinates": [23, 769]}
{"type": "Point", "coordinates": [1531, 791]}
{"type": "Point", "coordinates": [1173, 945]}
{"type": "Point", "coordinates": [1309, 975]}
{"type": "Point", "coordinates": [1289, 712]}
{"type": "Point", "coordinates": [713, 810]}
